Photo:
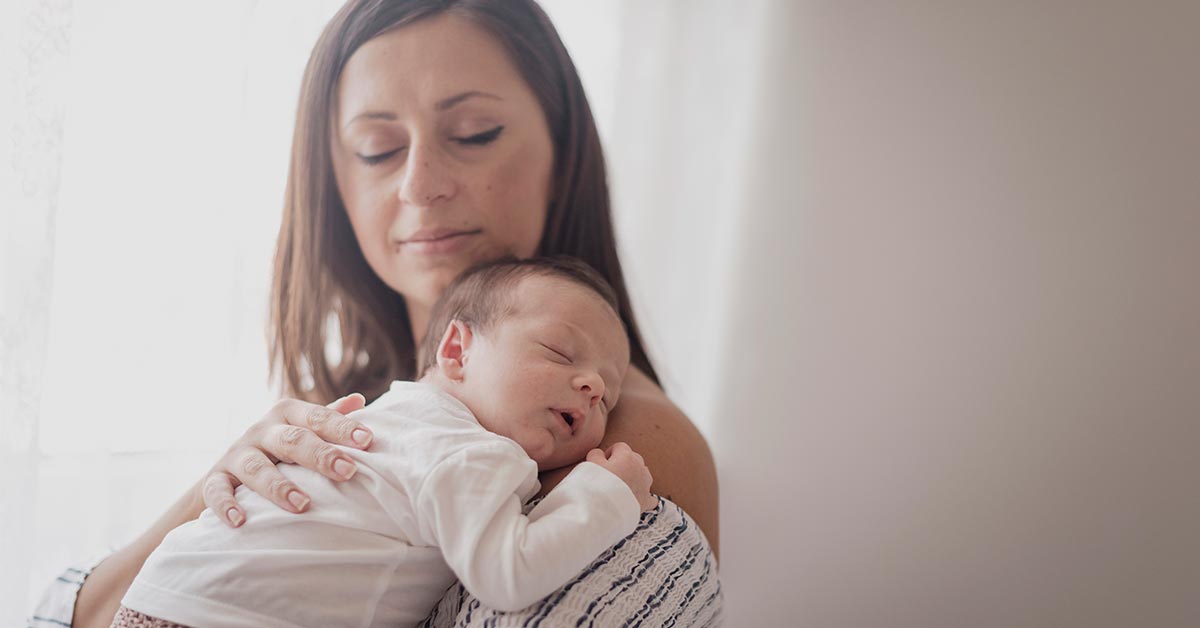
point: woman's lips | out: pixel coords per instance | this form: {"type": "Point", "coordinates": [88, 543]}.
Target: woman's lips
{"type": "Point", "coordinates": [436, 241]}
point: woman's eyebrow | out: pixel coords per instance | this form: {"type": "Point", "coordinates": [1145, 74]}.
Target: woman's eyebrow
{"type": "Point", "coordinates": [370, 115]}
{"type": "Point", "coordinates": [442, 105]}
{"type": "Point", "coordinates": [447, 103]}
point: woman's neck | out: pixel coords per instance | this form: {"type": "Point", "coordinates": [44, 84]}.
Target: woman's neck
{"type": "Point", "coordinates": [418, 319]}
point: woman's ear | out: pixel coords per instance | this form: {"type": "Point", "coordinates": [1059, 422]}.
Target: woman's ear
{"type": "Point", "coordinates": [453, 349]}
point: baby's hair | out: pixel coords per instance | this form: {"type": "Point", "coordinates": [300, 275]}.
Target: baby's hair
{"type": "Point", "coordinates": [482, 295]}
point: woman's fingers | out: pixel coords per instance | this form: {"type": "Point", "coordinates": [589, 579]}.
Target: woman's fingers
{"type": "Point", "coordinates": [327, 422]}
{"type": "Point", "coordinates": [292, 443]}
{"type": "Point", "coordinates": [260, 475]}
{"type": "Point", "coordinates": [293, 431]}
{"type": "Point", "coordinates": [349, 403]}
{"type": "Point", "coordinates": [218, 497]}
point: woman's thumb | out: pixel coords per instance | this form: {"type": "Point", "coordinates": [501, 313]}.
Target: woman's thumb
{"type": "Point", "coordinates": [348, 404]}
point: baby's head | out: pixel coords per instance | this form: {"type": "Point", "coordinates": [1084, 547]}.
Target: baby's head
{"type": "Point", "coordinates": [535, 349]}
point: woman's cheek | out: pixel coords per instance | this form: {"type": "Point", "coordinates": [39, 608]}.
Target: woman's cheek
{"type": "Point", "coordinates": [372, 226]}
{"type": "Point", "coordinates": [374, 247]}
{"type": "Point", "coordinates": [523, 192]}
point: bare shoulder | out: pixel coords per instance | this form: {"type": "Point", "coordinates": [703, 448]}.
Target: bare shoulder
{"type": "Point", "coordinates": [674, 450]}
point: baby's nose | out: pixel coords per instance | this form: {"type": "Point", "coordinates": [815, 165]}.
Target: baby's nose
{"type": "Point", "coordinates": [592, 385]}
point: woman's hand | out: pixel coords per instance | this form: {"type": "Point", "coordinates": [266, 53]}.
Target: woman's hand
{"type": "Point", "coordinates": [293, 431]}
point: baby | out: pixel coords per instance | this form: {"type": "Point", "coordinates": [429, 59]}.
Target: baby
{"type": "Point", "coordinates": [521, 374]}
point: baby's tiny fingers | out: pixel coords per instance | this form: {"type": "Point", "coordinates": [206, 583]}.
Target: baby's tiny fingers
{"type": "Point", "coordinates": [617, 448]}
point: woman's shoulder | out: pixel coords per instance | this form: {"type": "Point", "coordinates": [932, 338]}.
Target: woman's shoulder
{"type": "Point", "coordinates": [674, 449]}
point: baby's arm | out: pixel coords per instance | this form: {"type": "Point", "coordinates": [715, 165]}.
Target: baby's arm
{"type": "Point", "coordinates": [469, 505]}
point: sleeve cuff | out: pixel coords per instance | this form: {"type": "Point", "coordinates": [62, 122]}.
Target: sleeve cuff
{"type": "Point", "coordinates": [57, 604]}
{"type": "Point", "coordinates": [612, 489]}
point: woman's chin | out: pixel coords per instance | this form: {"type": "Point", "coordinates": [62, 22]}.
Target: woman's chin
{"type": "Point", "coordinates": [421, 288]}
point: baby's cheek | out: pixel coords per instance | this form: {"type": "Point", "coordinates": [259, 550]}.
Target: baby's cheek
{"type": "Point", "coordinates": [578, 449]}
{"type": "Point", "coordinates": [539, 445]}
{"type": "Point", "coordinates": [595, 434]}
{"type": "Point", "coordinates": [592, 442]}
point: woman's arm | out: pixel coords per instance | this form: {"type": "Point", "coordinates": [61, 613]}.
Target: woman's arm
{"type": "Point", "coordinates": [292, 431]}
{"type": "Point", "coordinates": [101, 593]}
{"type": "Point", "coordinates": [672, 447]}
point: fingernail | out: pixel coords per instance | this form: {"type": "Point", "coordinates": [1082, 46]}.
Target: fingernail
{"type": "Point", "coordinates": [297, 500]}
{"type": "Point", "coordinates": [344, 468]}
{"type": "Point", "coordinates": [361, 436]}
{"type": "Point", "coordinates": [234, 516]}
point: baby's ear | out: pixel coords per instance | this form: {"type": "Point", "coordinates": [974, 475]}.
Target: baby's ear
{"type": "Point", "coordinates": [453, 349]}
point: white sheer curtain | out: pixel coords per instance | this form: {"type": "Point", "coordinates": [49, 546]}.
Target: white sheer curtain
{"type": "Point", "coordinates": [34, 49]}
{"type": "Point", "coordinates": [147, 149]}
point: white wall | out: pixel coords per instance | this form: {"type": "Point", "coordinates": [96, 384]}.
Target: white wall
{"type": "Point", "coordinates": [961, 374]}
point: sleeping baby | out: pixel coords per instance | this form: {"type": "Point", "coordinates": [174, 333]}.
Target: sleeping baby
{"type": "Point", "coordinates": [520, 376]}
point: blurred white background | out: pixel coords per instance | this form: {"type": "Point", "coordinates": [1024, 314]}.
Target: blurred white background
{"type": "Point", "coordinates": [923, 272]}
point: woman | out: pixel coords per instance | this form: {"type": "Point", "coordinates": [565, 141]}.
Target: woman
{"type": "Point", "coordinates": [432, 135]}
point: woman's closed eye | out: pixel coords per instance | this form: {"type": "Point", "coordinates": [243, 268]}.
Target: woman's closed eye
{"type": "Point", "coordinates": [378, 158]}
{"type": "Point", "coordinates": [480, 139]}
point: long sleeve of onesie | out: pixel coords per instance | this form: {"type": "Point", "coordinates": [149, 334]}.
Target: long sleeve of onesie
{"type": "Point", "coordinates": [470, 503]}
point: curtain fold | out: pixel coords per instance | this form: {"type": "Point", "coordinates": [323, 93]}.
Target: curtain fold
{"type": "Point", "coordinates": [35, 44]}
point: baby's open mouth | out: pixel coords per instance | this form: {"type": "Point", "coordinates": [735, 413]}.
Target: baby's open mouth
{"type": "Point", "coordinates": [568, 418]}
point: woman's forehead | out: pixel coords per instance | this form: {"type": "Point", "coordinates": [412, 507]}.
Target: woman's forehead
{"type": "Point", "coordinates": [422, 65]}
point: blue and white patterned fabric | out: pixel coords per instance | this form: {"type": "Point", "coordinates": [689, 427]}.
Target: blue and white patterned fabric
{"type": "Point", "coordinates": [664, 574]}
{"type": "Point", "coordinates": [57, 605]}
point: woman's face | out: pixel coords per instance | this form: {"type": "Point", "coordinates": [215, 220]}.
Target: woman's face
{"type": "Point", "coordinates": [442, 155]}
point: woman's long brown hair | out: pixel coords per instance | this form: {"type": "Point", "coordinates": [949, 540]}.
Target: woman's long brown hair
{"type": "Point", "coordinates": [325, 295]}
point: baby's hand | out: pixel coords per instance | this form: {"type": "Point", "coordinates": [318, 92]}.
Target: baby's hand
{"type": "Point", "coordinates": [628, 465]}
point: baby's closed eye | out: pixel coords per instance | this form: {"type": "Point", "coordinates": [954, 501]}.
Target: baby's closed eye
{"type": "Point", "coordinates": [558, 353]}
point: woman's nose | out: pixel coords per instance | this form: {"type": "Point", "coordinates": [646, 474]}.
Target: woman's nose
{"type": "Point", "coordinates": [427, 176]}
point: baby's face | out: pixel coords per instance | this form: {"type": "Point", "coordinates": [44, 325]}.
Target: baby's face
{"type": "Point", "coordinates": [548, 375]}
